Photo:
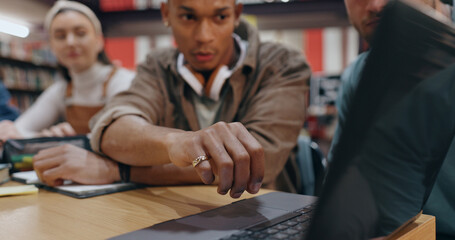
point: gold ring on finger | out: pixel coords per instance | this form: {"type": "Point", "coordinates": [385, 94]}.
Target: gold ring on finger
{"type": "Point", "coordinates": [199, 159]}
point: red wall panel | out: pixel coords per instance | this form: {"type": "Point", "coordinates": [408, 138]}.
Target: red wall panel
{"type": "Point", "coordinates": [313, 48]}
{"type": "Point", "coordinates": [121, 50]}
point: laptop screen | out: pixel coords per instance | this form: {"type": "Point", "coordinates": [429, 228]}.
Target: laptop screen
{"type": "Point", "coordinates": [398, 129]}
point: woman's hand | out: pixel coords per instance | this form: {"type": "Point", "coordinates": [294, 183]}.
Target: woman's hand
{"type": "Point", "coordinates": [8, 130]}
{"type": "Point", "coordinates": [60, 130]}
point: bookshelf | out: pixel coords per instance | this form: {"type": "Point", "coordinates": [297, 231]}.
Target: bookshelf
{"type": "Point", "coordinates": [26, 69]}
{"type": "Point", "coordinates": [322, 113]}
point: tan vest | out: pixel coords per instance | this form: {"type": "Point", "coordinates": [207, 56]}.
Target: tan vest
{"type": "Point", "coordinates": [79, 116]}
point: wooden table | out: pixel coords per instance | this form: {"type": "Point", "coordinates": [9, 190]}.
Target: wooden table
{"type": "Point", "coordinates": [423, 228]}
{"type": "Point", "coordinates": [49, 215]}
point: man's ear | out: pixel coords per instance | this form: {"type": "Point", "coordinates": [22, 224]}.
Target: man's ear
{"type": "Point", "coordinates": [165, 14]}
{"type": "Point", "coordinates": [238, 11]}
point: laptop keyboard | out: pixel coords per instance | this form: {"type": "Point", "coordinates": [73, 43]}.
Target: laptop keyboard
{"type": "Point", "coordinates": [290, 226]}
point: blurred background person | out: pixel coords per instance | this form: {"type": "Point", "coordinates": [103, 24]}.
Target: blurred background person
{"type": "Point", "coordinates": [365, 16]}
{"type": "Point", "coordinates": [86, 80]}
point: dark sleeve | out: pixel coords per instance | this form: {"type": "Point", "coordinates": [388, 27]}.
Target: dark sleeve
{"type": "Point", "coordinates": [349, 81]}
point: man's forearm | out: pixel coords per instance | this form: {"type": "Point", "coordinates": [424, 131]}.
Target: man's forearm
{"type": "Point", "coordinates": [167, 174]}
{"type": "Point", "coordinates": [134, 141]}
{"type": "Point", "coordinates": [230, 152]}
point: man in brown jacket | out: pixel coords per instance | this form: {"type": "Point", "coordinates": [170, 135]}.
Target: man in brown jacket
{"type": "Point", "coordinates": [221, 108]}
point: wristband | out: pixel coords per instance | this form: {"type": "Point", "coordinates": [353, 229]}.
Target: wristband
{"type": "Point", "coordinates": [124, 171]}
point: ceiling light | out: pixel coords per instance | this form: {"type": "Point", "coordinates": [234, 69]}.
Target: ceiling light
{"type": "Point", "coordinates": [14, 29]}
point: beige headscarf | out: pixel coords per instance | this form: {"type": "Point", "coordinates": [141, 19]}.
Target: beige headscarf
{"type": "Point", "coordinates": [71, 5]}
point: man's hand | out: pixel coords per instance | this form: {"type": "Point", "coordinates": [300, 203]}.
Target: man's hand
{"type": "Point", "coordinates": [60, 130]}
{"type": "Point", "coordinates": [68, 162]}
{"type": "Point", "coordinates": [8, 130]}
{"type": "Point", "coordinates": [235, 156]}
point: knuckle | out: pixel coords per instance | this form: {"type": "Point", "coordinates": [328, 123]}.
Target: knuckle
{"type": "Point", "coordinates": [258, 150]}
{"type": "Point", "coordinates": [37, 166]}
{"type": "Point", "coordinates": [226, 165]}
{"type": "Point", "coordinates": [195, 139]}
{"type": "Point", "coordinates": [45, 174]}
{"type": "Point", "coordinates": [242, 158]}
{"type": "Point", "coordinates": [237, 125]}
{"type": "Point", "coordinates": [209, 136]}
{"type": "Point", "coordinates": [207, 133]}
{"type": "Point", "coordinates": [220, 124]}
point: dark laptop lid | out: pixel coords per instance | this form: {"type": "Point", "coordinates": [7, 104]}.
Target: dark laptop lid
{"type": "Point", "coordinates": [398, 129]}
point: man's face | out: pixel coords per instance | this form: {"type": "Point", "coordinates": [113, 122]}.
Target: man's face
{"type": "Point", "coordinates": [365, 14]}
{"type": "Point", "coordinates": [203, 30]}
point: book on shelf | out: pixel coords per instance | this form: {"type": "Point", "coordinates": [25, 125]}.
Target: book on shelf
{"type": "Point", "coordinates": [36, 79]}
{"type": "Point", "coordinates": [37, 52]}
{"type": "Point", "coordinates": [25, 83]}
{"type": "Point", "coordinates": [23, 101]}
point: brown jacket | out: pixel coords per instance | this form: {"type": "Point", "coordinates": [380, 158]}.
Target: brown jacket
{"type": "Point", "coordinates": [266, 94]}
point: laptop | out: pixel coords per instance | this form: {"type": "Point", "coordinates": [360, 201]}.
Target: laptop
{"type": "Point", "coordinates": [397, 133]}
{"type": "Point", "coordinates": [398, 130]}
{"type": "Point", "coordinates": [245, 218]}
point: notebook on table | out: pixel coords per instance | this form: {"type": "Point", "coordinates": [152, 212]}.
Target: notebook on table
{"type": "Point", "coordinates": [398, 130]}
{"type": "Point", "coordinates": [19, 154]}
{"type": "Point", "coordinates": [73, 189]}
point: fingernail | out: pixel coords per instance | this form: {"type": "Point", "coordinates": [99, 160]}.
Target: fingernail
{"type": "Point", "coordinates": [256, 187]}
{"type": "Point", "coordinates": [237, 195]}
{"type": "Point", "coordinates": [207, 178]}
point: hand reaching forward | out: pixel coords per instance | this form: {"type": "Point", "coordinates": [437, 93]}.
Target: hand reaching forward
{"type": "Point", "coordinates": [232, 153]}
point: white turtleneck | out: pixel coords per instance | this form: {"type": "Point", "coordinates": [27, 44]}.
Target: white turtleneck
{"type": "Point", "coordinates": [87, 90]}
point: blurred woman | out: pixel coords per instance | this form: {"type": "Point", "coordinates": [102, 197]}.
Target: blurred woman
{"type": "Point", "coordinates": [86, 78]}
{"type": "Point", "coordinates": [86, 81]}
